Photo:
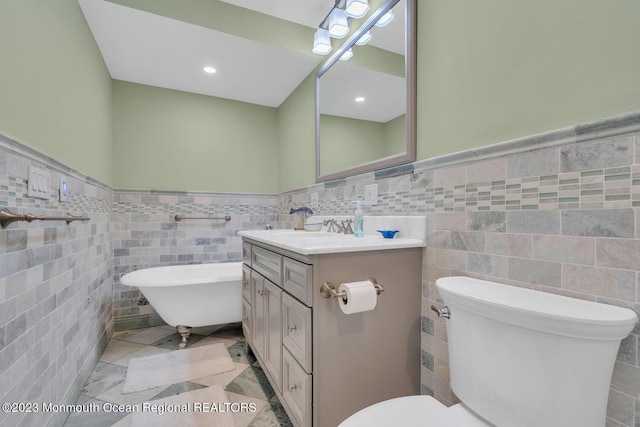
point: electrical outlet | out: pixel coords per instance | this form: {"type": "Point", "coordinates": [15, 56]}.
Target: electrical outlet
{"type": "Point", "coordinates": [371, 194]}
{"type": "Point", "coordinates": [39, 183]}
{"type": "Point", "coordinates": [314, 200]}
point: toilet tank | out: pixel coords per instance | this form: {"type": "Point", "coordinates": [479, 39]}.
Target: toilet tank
{"type": "Point", "coordinates": [520, 357]}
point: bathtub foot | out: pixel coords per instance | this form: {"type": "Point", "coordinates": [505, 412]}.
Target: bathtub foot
{"type": "Point", "coordinates": [184, 331]}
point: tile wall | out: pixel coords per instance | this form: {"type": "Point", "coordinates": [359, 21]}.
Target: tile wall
{"type": "Point", "coordinates": [55, 288]}
{"type": "Point", "coordinates": [558, 212]}
{"type": "Point", "coordinates": [145, 234]}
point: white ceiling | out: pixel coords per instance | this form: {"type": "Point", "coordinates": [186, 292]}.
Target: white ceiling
{"type": "Point", "coordinates": [145, 48]}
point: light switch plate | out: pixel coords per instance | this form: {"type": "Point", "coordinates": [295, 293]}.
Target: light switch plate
{"type": "Point", "coordinates": [314, 200]}
{"type": "Point", "coordinates": [371, 194]}
{"type": "Point", "coordinates": [39, 183]}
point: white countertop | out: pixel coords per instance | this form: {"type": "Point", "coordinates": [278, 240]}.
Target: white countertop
{"type": "Point", "coordinates": [412, 235]}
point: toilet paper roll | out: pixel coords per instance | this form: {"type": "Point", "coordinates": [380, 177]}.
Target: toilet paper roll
{"type": "Point", "coordinates": [361, 296]}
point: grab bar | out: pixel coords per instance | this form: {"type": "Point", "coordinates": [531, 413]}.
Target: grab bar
{"type": "Point", "coordinates": [7, 217]}
{"type": "Point", "coordinates": [180, 217]}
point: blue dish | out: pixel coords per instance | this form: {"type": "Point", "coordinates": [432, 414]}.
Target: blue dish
{"type": "Point", "coordinates": [387, 234]}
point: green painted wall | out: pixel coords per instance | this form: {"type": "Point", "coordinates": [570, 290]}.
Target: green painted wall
{"type": "Point", "coordinates": [496, 70]}
{"type": "Point", "coordinates": [345, 139]}
{"type": "Point", "coordinates": [171, 140]}
{"type": "Point", "coordinates": [55, 91]}
{"type": "Point", "coordinates": [395, 133]}
{"type": "Point", "coordinates": [296, 129]}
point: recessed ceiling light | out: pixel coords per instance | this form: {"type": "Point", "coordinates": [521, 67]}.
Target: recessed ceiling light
{"type": "Point", "coordinates": [360, 99]}
{"type": "Point", "coordinates": [209, 70]}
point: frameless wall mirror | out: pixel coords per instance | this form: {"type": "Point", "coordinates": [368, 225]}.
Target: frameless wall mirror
{"type": "Point", "coordinates": [365, 106]}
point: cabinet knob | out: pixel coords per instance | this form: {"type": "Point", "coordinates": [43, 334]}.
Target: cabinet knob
{"type": "Point", "coordinates": [263, 292]}
{"type": "Point", "coordinates": [292, 328]}
{"type": "Point", "coordinates": [293, 387]}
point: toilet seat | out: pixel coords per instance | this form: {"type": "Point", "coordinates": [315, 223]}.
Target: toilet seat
{"type": "Point", "coordinates": [412, 411]}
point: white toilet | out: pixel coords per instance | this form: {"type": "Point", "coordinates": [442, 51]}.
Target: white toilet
{"type": "Point", "coordinates": [517, 357]}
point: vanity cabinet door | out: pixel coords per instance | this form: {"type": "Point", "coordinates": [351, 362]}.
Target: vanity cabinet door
{"type": "Point", "coordinates": [246, 320]}
{"type": "Point", "coordinates": [259, 316]}
{"type": "Point", "coordinates": [246, 283]}
{"type": "Point", "coordinates": [273, 340]}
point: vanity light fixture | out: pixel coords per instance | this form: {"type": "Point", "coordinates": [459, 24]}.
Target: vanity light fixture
{"type": "Point", "coordinates": [347, 55]}
{"type": "Point", "coordinates": [209, 70]}
{"type": "Point", "coordinates": [338, 23]}
{"type": "Point", "coordinates": [321, 42]}
{"type": "Point", "coordinates": [356, 8]}
{"type": "Point", "coordinates": [359, 99]}
{"type": "Point", "coordinates": [335, 24]}
{"type": "Point", "coordinates": [364, 39]}
{"type": "Point", "coordinates": [385, 19]}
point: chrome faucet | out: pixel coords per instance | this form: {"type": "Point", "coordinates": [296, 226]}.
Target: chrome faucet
{"type": "Point", "coordinates": [334, 227]}
{"type": "Point", "coordinates": [346, 226]}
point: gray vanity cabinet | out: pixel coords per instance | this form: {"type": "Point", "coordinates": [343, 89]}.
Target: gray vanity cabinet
{"type": "Point", "coordinates": [324, 364]}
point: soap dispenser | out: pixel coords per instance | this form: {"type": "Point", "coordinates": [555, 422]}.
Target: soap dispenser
{"type": "Point", "coordinates": [358, 220]}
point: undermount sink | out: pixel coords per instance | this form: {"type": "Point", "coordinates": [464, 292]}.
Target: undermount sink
{"type": "Point", "coordinates": [412, 234]}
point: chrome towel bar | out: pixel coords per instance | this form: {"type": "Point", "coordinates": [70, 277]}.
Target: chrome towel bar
{"type": "Point", "coordinates": [7, 217]}
{"type": "Point", "coordinates": [180, 217]}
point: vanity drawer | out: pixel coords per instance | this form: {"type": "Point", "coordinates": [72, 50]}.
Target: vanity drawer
{"type": "Point", "coordinates": [296, 390]}
{"type": "Point", "coordinates": [297, 279]}
{"type": "Point", "coordinates": [246, 283]}
{"type": "Point", "coordinates": [267, 263]}
{"type": "Point", "coordinates": [246, 253]}
{"type": "Point", "coordinates": [296, 330]}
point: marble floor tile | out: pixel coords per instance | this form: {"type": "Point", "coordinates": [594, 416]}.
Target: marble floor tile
{"type": "Point", "coordinates": [94, 419]}
{"type": "Point", "coordinates": [231, 331]}
{"type": "Point", "coordinates": [147, 350]}
{"type": "Point", "coordinates": [244, 418]}
{"type": "Point", "coordinates": [272, 415]}
{"type": "Point", "coordinates": [104, 378]}
{"type": "Point", "coordinates": [149, 336]}
{"type": "Point", "coordinates": [252, 382]}
{"type": "Point", "coordinates": [223, 378]}
{"type": "Point", "coordinates": [171, 342]}
{"type": "Point", "coordinates": [240, 353]}
{"type": "Point", "coordinates": [115, 395]}
{"type": "Point", "coordinates": [117, 349]}
{"type": "Point", "coordinates": [179, 388]}
{"type": "Point", "coordinates": [247, 383]}
{"type": "Point", "coordinates": [118, 335]}
{"type": "Point", "coordinates": [211, 340]}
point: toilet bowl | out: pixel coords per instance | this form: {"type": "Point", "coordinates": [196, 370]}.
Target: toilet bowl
{"type": "Point", "coordinates": [413, 411]}
{"type": "Point", "coordinates": [518, 358]}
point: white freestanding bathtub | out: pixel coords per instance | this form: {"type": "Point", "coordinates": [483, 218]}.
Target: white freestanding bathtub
{"type": "Point", "coordinates": [187, 296]}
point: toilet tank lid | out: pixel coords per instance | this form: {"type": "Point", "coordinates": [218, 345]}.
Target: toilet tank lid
{"type": "Point", "coordinates": [537, 310]}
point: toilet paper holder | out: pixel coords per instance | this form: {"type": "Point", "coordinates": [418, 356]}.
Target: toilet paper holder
{"type": "Point", "coordinates": [328, 290]}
